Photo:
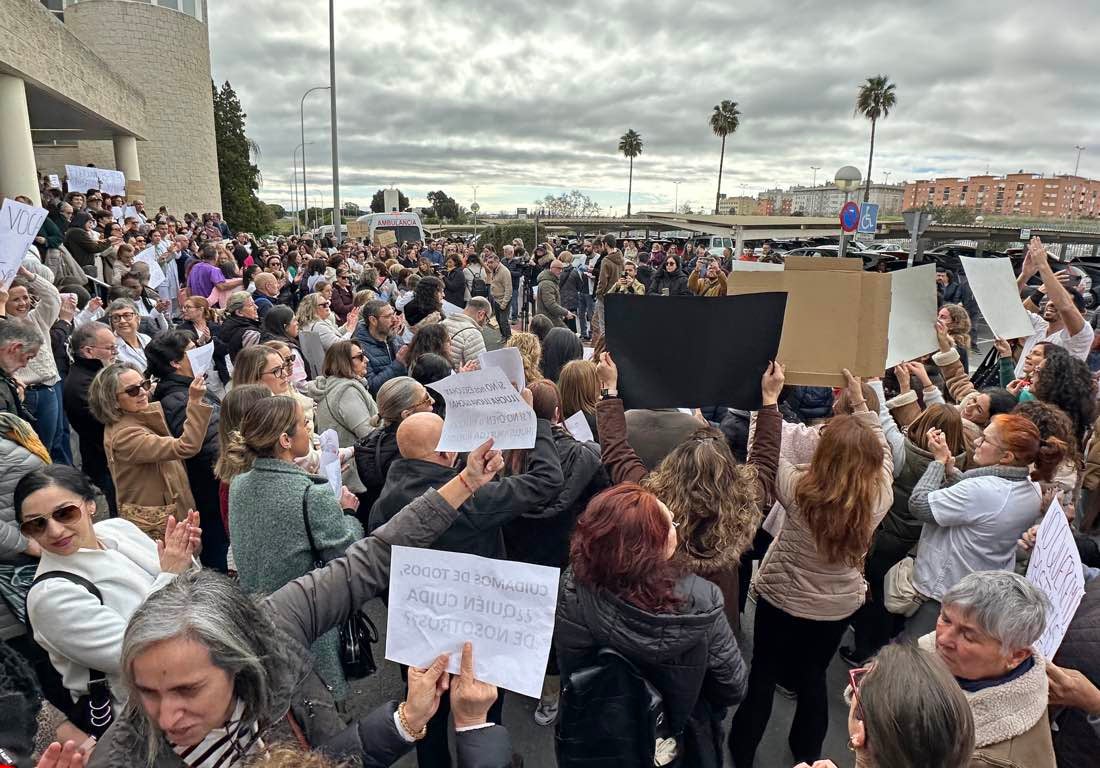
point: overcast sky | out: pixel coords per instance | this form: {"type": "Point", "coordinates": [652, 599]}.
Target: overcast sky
{"type": "Point", "coordinates": [529, 98]}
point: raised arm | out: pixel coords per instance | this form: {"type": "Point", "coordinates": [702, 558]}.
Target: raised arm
{"type": "Point", "coordinates": [623, 464]}
{"type": "Point", "coordinates": [894, 438]}
{"type": "Point", "coordinates": [767, 437]}
{"type": "Point", "coordinates": [140, 446]}
{"type": "Point", "coordinates": [1056, 292]}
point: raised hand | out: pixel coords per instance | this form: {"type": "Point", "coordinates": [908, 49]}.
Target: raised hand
{"type": "Point", "coordinates": [607, 372]}
{"type": "Point", "coordinates": [771, 383]}
{"type": "Point", "coordinates": [482, 464]}
{"type": "Point", "coordinates": [470, 698]}
{"type": "Point", "coordinates": [937, 446]}
{"type": "Point", "coordinates": [1004, 349]}
{"type": "Point", "coordinates": [180, 542]}
{"type": "Point", "coordinates": [426, 687]}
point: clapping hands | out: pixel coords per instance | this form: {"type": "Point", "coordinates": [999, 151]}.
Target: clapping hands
{"type": "Point", "coordinates": [181, 541]}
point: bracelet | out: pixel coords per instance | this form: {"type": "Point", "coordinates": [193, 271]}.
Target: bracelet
{"type": "Point", "coordinates": [462, 480]}
{"type": "Point", "coordinates": [417, 735]}
{"type": "Point", "coordinates": [857, 404]}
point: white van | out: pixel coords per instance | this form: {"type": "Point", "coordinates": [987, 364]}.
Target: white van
{"type": "Point", "coordinates": [406, 227]}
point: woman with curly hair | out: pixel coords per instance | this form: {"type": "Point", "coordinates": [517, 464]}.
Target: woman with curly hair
{"type": "Point", "coordinates": [957, 322]}
{"type": "Point", "coordinates": [1052, 421]}
{"type": "Point", "coordinates": [716, 502]}
{"type": "Point", "coordinates": [1066, 382]}
{"type": "Point", "coordinates": [530, 351]}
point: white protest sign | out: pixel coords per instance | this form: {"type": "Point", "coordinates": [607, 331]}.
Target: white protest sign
{"type": "Point", "coordinates": [330, 460]}
{"type": "Point", "coordinates": [483, 404]}
{"type": "Point", "coordinates": [202, 359]}
{"type": "Point", "coordinates": [440, 600]}
{"type": "Point", "coordinates": [19, 225]}
{"type": "Point", "coordinates": [994, 287]}
{"type": "Point", "coordinates": [451, 309]}
{"type": "Point", "coordinates": [1055, 568]}
{"type": "Point", "coordinates": [82, 178]}
{"type": "Point", "coordinates": [55, 181]}
{"type": "Point", "coordinates": [578, 427]}
{"type": "Point", "coordinates": [912, 330]}
{"type": "Point", "coordinates": [149, 257]}
{"type": "Point", "coordinates": [588, 352]}
{"type": "Point", "coordinates": [508, 360]}
{"type": "Point", "coordinates": [116, 213]}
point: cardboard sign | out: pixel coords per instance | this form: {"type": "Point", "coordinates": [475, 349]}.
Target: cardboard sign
{"type": "Point", "coordinates": [913, 310]}
{"type": "Point", "coordinates": [837, 317]}
{"type": "Point", "coordinates": [578, 427]}
{"type": "Point", "coordinates": [508, 360]}
{"type": "Point", "coordinates": [440, 600]}
{"type": "Point", "coordinates": [1055, 568]}
{"type": "Point", "coordinates": [755, 266]}
{"type": "Point", "coordinates": [385, 237]}
{"type": "Point", "coordinates": [149, 257]}
{"type": "Point", "coordinates": [357, 230]}
{"type": "Point", "coordinates": [19, 225]}
{"type": "Point", "coordinates": [993, 284]}
{"type": "Point", "coordinates": [725, 342]}
{"type": "Point", "coordinates": [82, 178]}
{"type": "Point", "coordinates": [483, 404]}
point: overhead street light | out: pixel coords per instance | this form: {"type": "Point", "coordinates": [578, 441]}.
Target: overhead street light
{"type": "Point", "coordinates": [302, 117]}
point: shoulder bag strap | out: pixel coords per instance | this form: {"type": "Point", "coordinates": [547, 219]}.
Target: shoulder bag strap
{"type": "Point", "coordinates": [94, 675]}
{"type": "Point", "coordinates": [317, 561]}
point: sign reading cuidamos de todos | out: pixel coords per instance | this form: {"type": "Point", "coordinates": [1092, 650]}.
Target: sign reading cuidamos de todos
{"type": "Point", "coordinates": [440, 600]}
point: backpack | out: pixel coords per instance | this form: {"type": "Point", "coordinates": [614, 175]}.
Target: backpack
{"type": "Point", "coordinates": [478, 287]}
{"type": "Point", "coordinates": [611, 715]}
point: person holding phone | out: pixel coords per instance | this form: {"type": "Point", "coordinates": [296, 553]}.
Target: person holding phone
{"type": "Point", "coordinates": [707, 279]}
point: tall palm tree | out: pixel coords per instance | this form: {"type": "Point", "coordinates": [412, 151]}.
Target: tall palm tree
{"type": "Point", "coordinates": [875, 100]}
{"type": "Point", "coordinates": [631, 146]}
{"type": "Point", "coordinates": [723, 121]}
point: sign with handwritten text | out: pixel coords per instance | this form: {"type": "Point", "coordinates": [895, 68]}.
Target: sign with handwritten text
{"type": "Point", "coordinates": [1055, 568]}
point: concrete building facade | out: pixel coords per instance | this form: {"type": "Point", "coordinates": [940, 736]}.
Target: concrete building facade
{"type": "Point", "coordinates": [1014, 194]}
{"type": "Point", "coordinates": [741, 205]}
{"type": "Point", "coordinates": [121, 84]}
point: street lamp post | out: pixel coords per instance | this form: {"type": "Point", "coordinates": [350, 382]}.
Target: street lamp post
{"type": "Point", "coordinates": [1077, 165]}
{"type": "Point", "coordinates": [302, 117]}
{"type": "Point", "coordinates": [297, 230]}
{"type": "Point", "coordinates": [676, 205]}
{"type": "Point", "coordinates": [847, 179]}
{"type": "Point", "coordinates": [337, 219]}
{"type": "Point", "coordinates": [814, 209]}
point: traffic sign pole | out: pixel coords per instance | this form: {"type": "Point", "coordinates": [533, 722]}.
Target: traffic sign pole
{"type": "Point", "coordinates": [849, 222]}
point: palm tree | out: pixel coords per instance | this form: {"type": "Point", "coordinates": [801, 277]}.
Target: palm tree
{"type": "Point", "coordinates": [631, 146]}
{"type": "Point", "coordinates": [723, 121]}
{"type": "Point", "coordinates": [875, 100]}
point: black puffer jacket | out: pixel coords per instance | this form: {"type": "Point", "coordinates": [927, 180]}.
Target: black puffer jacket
{"type": "Point", "coordinates": [1076, 742]}
{"type": "Point", "coordinates": [573, 284]}
{"type": "Point", "coordinates": [675, 283]}
{"type": "Point", "coordinates": [373, 456]}
{"type": "Point", "coordinates": [233, 332]}
{"type": "Point", "coordinates": [171, 393]}
{"type": "Point", "coordinates": [542, 536]}
{"type": "Point", "coordinates": [690, 656]}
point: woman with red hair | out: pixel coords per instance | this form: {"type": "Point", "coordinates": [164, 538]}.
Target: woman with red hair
{"type": "Point", "coordinates": [972, 520]}
{"type": "Point", "coordinates": [625, 590]}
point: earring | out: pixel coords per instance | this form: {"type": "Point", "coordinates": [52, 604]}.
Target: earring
{"type": "Point", "coordinates": [851, 744]}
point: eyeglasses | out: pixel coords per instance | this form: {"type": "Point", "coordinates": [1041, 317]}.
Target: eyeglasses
{"type": "Point", "coordinates": [136, 389]}
{"type": "Point", "coordinates": [113, 349]}
{"type": "Point", "coordinates": [124, 316]}
{"type": "Point", "coordinates": [323, 305]}
{"type": "Point", "coordinates": [358, 356]}
{"type": "Point", "coordinates": [855, 678]}
{"type": "Point", "coordinates": [279, 373]}
{"type": "Point", "coordinates": [428, 401]}
{"type": "Point", "coordinates": [982, 439]}
{"type": "Point", "coordinates": [670, 263]}
{"type": "Point", "coordinates": [36, 526]}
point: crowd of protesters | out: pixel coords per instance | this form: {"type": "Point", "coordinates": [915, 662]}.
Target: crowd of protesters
{"type": "Point", "coordinates": [176, 586]}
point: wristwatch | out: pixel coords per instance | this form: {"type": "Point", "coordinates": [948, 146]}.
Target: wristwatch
{"type": "Point", "coordinates": [609, 394]}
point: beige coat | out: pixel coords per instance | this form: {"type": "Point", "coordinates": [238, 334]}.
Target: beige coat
{"type": "Point", "coordinates": [794, 576]}
{"type": "Point", "coordinates": [146, 462]}
{"type": "Point", "coordinates": [500, 287]}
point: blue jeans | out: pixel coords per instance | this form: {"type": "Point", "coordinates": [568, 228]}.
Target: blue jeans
{"type": "Point", "coordinates": [584, 313]}
{"type": "Point", "coordinates": [44, 403]}
{"type": "Point", "coordinates": [514, 307]}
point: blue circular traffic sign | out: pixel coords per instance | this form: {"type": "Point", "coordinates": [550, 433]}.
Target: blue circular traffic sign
{"type": "Point", "coordinates": [849, 217]}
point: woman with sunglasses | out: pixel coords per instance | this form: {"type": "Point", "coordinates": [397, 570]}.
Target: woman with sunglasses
{"type": "Point", "coordinates": [145, 460]}
{"type": "Point", "coordinates": [905, 710]}
{"type": "Point", "coordinates": [54, 507]}
{"type": "Point", "coordinates": [315, 315]}
{"type": "Point", "coordinates": [669, 280]}
{"type": "Point", "coordinates": [342, 400]}
{"type": "Point", "coordinates": [124, 318]}
{"type": "Point", "coordinates": [280, 324]}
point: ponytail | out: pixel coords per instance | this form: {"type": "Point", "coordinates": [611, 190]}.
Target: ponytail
{"type": "Point", "coordinates": [1052, 452]}
{"type": "Point", "coordinates": [258, 437]}
{"type": "Point", "coordinates": [235, 458]}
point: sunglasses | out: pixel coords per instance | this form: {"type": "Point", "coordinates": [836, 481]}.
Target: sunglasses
{"type": "Point", "coordinates": [323, 304]}
{"type": "Point", "coordinates": [36, 526]}
{"type": "Point", "coordinates": [855, 678]}
{"type": "Point", "coordinates": [136, 389]}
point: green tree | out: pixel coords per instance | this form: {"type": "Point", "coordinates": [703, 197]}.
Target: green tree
{"type": "Point", "coordinates": [277, 210]}
{"type": "Point", "coordinates": [444, 207]}
{"type": "Point", "coordinates": [875, 100]}
{"type": "Point", "coordinates": [378, 202]}
{"type": "Point", "coordinates": [631, 146]}
{"type": "Point", "coordinates": [238, 175]}
{"type": "Point", "coordinates": [724, 120]}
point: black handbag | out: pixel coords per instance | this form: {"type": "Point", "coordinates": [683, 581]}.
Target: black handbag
{"type": "Point", "coordinates": [988, 374]}
{"type": "Point", "coordinates": [92, 712]}
{"type": "Point", "coordinates": [358, 632]}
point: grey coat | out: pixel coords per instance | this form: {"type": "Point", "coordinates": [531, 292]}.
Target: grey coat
{"type": "Point", "coordinates": [302, 611]}
{"type": "Point", "coordinates": [548, 302]}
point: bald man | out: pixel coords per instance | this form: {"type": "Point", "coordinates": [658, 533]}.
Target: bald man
{"type": "Point", "coordinates": [267, 290]}
{"type": "Point", "coordinates": [477, 530]}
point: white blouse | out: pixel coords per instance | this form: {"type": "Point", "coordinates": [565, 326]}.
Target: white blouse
{"type": "Point", "coordinates": [70, 624]}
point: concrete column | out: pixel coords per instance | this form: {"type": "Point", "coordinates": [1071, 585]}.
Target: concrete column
{"type": "Point", "coordinates": [18, 174]}
{"type": "Point", "coordinates": [739, 242]}
{"type": "Point", "coordinates": [126, 160]}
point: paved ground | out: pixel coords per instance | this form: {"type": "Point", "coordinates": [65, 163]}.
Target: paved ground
{"type": "Point", "coordinates": [536, 744]}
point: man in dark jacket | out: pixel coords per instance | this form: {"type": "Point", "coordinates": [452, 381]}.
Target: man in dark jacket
{"type": "Point", "coordinates": [1074, 684]}
{"type": "Point", "coordinates": [548, 301]}
{"type": "Point", "coordinates": [92, 346]}
{"type": "Point", "coordinates": [573, 284]}
{"type": "Point", "coordinates": [376, 335]}
{"type": "Point", "coordinates": [477, 531]}
{"type": "Point", "coordinates": [81, 244]}
{"type": "Point", "coordinates": [169, 363]}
